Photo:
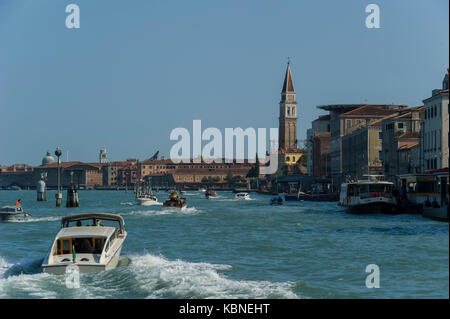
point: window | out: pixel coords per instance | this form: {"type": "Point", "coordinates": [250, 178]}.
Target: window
{"type": "Point", "coordinates": [348, 123]}
{"type": "Point", "coordinates": [400, 125]}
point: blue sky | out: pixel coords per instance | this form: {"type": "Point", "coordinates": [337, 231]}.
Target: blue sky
{"type": "Point", "coordinates": [137, 69]}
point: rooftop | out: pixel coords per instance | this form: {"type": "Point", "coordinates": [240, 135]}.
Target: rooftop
{"type": "Point", "coordinates": [349, 107]}
{"type": "Point", "coordinates": [369, 110]}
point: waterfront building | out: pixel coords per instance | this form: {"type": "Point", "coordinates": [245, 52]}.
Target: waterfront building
{"type": "Point", "coordinates": [321, 146]}
{"type": "Point", "coordinates": [182, 175]}
{"type": "Point", "coordinates": [319, 126]}
{"type": "Point", "coordinates": [435, 137]}
{"type": "Point", "coordinates": [82, 175]}
{"type": "Point", "coordinates": [400, 152]}
{"type": "Point", "coordinates": [17, 175]}
{"type": "Point", "coordinates": [340, 124]}
{"type": "Point", "coordinates": [360, 151]}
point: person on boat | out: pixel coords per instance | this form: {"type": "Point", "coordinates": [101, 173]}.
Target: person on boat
{"type": "Point", "coordinates": [86, 246]}
{"type": "Point", "coordinates": [18, 202]}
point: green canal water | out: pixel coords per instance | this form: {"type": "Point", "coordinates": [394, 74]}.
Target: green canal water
{"type": "Point", "coordinates": [228, 248]}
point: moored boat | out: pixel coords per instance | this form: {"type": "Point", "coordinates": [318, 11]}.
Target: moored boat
{"type": "Point", "coordinates": [84, 241]}
{"type": "Point", "coordinates": [276, 201]}
{"type": "Point", "coordinates": [367, 196]}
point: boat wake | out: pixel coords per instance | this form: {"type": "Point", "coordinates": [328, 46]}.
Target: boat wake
{"type": "Point", "coordinates": [37, 219]}
{"type": "Point", "coordinates": [163, 211]}
{"type": "Point", "coordinates": [163, 278]}
{"type": "Point", "coordinates": [138, 276]}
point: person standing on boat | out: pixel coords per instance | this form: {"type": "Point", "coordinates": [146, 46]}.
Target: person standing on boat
{"type": "Point", "coordinates": [18, 202]}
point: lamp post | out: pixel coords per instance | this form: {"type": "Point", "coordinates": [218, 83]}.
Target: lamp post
{"type": "Point", "coordinates": [58, 194]}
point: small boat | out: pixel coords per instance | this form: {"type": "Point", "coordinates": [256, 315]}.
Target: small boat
{"type": "Point", "coordinates": [202, 189]}
{"type": "Point", "coordinates": [242, 196]}
{"type": "Point", "coordinates": [182, 192]}
{"type": "Point", "coordinates": [276, 201]}
{"type": "Point", "coordinates": [85, 242]}
{"type": "Point", "coordinates": [175, 201]}
{"type": "Point", "coordinates": [367, 196]}
{"type": "Point", "coordinates": [13, 213]}
{"type": "Point", "coordinates": [147, 199]}
{"type": "Point", "coordinates": [210, 193]}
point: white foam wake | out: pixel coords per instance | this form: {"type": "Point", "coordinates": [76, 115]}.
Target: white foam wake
{"type": "Point", "coordinates": [163, 278]}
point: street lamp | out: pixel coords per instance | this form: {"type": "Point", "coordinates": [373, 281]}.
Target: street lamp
{"type": "Point", "coordinates": [58, 195]}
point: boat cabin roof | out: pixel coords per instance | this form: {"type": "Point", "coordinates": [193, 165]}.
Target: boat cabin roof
{"type": "Point", "coordinates": [95, 217]}
{"type": "Point", "coordinates": [86, 232]}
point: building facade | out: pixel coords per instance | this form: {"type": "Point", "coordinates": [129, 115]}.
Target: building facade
{"type": "Point", "coordinates": [400, 133]}
{"type": "Point", "coordinates": [341, 120]}
{"type": "Point", "coordinates": [435, 138]}
{"type": "Point", "coordinates": [319, 125]}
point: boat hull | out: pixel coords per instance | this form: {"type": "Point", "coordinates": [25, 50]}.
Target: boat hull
{"type": "Point", "coordinates": [60, 268]}
{"type": "Point", "coordinates": [175, 205]}
{"type": "Point", "coordinates": [146, 202]}
{"type": "Point", "coordinates": [14, 217]}
{"type": "Point", "coordinates": [380, 207]}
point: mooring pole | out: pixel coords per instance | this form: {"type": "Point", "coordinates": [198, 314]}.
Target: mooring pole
{"type": "Point", "coordinates": [58, 194]}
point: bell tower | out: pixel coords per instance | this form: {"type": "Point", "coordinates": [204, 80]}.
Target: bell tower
{"type": "Point", "coordinates": [287, 134]}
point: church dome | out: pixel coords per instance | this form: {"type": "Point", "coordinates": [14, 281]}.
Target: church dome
{"type": "Point", "coordinates": [48, 159]}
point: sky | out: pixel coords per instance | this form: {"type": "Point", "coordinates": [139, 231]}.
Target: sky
{"type": "Point", "coordinates": [135, 70]}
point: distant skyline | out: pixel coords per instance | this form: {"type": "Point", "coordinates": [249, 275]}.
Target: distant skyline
{"type": "Point", "coordinates": [136, 70]}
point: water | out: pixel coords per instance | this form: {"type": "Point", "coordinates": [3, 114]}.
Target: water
{"type": "Point", "coordinates": [227, 248]}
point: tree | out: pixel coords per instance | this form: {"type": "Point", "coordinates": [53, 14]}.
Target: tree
{"type": "Point", "coordinates": [254, 171]}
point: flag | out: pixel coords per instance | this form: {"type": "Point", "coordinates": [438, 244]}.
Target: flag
{"type": "Point", "coordinates": [74, 255]}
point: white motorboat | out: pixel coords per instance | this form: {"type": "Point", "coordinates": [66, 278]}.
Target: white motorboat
{"type": "Point", "coordinates": [242, 195]}
{"type": "Point", "coordinates": [147, 200]}
{"type": "Point", "coordinates": [367, 196]}
{"type": "Point", "coordinates": [202, 190]}
{"type": "Point", "coordinates": [13, 213]}
{"type": "Point", "coordinates": [92, 242]}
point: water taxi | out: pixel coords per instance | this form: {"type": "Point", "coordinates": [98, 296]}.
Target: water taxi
{"type": "Point", "coordinates": [13, 213]}
{"type": "Point", "coordinates": [242, 196]}
{"type": "Point", "coordinates": [92, 242]}
{"type": "Point", "coordinates": [147, 199]}
{"type": "Point", "coordinates": [210, 193]}
{"type": "Point", "coordinates": [175, 201]}
{"type": "Point", "coordinates": [429, 191]}
{"type": "Point", "coordinates": [367, 196]}
{"type": "Point", "coordinates": [144, 195]}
